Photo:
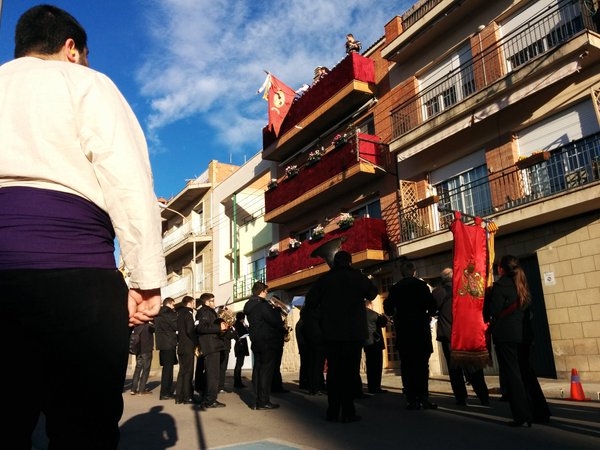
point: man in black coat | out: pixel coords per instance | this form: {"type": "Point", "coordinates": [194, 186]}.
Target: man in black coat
{"type": "Point", "coordinates": [412, 305]}
{"type": "Point", "coordinates": [266, 333]}
{"type": "Point", "coordinates": [186, 345]}
{"type": "Point", "coordinates": [210, 328]}
{"type": "Point", "coordinates": [338, 300]}
{"type": "Point", "coordinates": [165, 333]}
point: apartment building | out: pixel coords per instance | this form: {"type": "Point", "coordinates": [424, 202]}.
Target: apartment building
{"type": "Point", "coordinates": [487, 108]}
{"type": "Point", "coordinates": [188, 234]}
{"type": "Point", "coordinates": [492, 110]}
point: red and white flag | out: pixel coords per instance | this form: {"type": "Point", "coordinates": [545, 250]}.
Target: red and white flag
{"type": "Point", "coordinates": [280, 97]}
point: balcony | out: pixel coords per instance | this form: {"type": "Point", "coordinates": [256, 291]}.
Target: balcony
{"type": "Point", "coordinates": [181, 241]}
{"type": "Point", "coordinates": [348, 86]}
{"type": "Point", "coordinates": [366, 240]}
{"type": "Point", "coordinates": [184, 286]}
{"type": "Point", "coordinates": [242, 287]}
{"type": "Point", "coordinates": [569, 176]}
{"type": "Point", "coordinates": [556, 41]}
{"type": "Point", "coordinates": [355, 162]}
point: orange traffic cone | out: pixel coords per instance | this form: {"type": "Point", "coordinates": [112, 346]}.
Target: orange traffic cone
{"type": "Point", "coordinates": [576, 388]}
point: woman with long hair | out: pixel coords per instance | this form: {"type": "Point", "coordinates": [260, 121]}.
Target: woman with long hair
{"type": "Point", "coordinates": [504, 308]}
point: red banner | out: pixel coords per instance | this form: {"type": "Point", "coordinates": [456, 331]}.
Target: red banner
{"type": "Point", "coordinates": [469, 281]}
{"type": "Point", "coordinates": [281, 97]}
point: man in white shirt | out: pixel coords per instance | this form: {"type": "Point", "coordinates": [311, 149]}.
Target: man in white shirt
{"type": "Point", "coordinates": [74, 172]}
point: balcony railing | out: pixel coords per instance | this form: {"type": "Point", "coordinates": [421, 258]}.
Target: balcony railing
{"type": "Point", "coordinates": [242, 287]}
{"type": "Point", "coordinates": [176, 236]}
{"type": "Point", "coordinates": [533, 39]}
{"type": "Point", "coordinates": [177, 288]}
{"type": "Point", "coordinates": [360, 147]}
{"type": "Point", "coordinates": [365, 233]}
{"type": "Point", "coordinates": [566, 168]}
{"type": "Point", "coordinates": [183, 286]}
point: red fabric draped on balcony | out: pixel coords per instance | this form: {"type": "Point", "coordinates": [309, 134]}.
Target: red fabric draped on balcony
{"type": "Point", "coordinates": [469, 282]}
{"type": "Point", "coordinates": [353, 67]}
{"type": "Point", "coordinates": [331, 164]}
{"type": "Point", "coordinates": [366, 233]}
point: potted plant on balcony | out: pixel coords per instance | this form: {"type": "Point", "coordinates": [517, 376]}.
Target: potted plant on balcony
{"type": "Point", "coordinates": [291, 171]}
{"type": "Point", "coordinates": [273, 251]}
{"type": "Point", "coordinates": [272, 184]}
{"type": "Point", "coordinates": [345, 220]}
{"type": "Point", "coordinates": [317, 233]}
{"type": "Point", "coordinates": [339, 139]}
{"type": "Point", "coordinates": [315, 156]}
{"type": "Point", "coordinates": [293, 243]}
{"type": "Point", "coordinates": [532, 160]}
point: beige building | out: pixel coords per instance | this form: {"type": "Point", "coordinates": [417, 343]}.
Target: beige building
{"type": "Point", "coordinates": [188, 234]}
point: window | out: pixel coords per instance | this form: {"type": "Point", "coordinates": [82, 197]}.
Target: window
{"type": "Point", "coordinates": [468, 192]}
{"type": "Point", "coordinates": [448, 83]}
{"type": "Point", "coordinates": [372, 209]}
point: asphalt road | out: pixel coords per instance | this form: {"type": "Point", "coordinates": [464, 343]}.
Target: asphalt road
{"type": "Point", "coordinates": [151, 424]}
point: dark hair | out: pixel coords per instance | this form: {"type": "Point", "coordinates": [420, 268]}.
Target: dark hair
{"type": "Point", "coordinates": [512, 269]}
{"type": "Point", "coordinates": [167, 301]}
{"type": "Point", "coordinates": [342, 259]}
{"type": "Point", "coordinates": [186, 300]}
{"type": "Point", "coordinates": [407, 269]}
{"type": "Point", "coordinates": [44, 29]}
{"type": "Point", "coordinates": [207, 296]}
{"type": "Point", "coordinates": [240, 316]}
{"type": "Point", "coordinates": [258, 287]}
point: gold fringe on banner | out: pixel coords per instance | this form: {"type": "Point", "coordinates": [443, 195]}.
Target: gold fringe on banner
{"type": "Point", "coordinates": [470, 360]}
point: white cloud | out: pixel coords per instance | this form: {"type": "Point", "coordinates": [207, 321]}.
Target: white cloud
{"type": "Point", "coordinates": [206, 59]}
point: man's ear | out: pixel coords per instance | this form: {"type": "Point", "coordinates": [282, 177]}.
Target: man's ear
{"type": "Point", "coordinates": [71, 53]}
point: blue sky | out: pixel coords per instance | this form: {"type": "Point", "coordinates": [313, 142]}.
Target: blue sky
{"type": "Point", "coordinates": [190, 68]}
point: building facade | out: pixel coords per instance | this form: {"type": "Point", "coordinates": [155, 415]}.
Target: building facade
{"type": "Point", "coordinates": [188, 234]}
{"type": "Point", "coordinates": [492, 110]}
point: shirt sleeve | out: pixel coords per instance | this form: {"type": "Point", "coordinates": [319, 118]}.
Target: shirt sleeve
{"type": "Point", "coordinates": [113, 141]}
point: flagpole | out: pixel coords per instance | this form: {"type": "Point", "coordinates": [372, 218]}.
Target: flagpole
{"type": "Point", "coordinates": [463, 214]}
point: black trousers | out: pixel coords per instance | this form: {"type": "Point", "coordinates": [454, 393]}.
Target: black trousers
{"type": "Point", "coordinates": [237, 370]}
{"type": "Point", "coordinates": [415, 377]}
{"type": "Point", "coordinates": [508, 362]}
{"type": "Point", "coordinates": [457, 379]}
{"type": "Point", "coordinates": [343, 368]}
{"type": "Point", "coordinates": [373, 366]}
{"type": "Point", "coordinates": [277, 380]}
{"type": "Point", "coordinates": [262, 374]}
{"type": "Point", "coordinates": [223, 362]}
{"type": "Point", "coordinates": [168, 359]}
{"type": "Point", "coordinates": [315, 360]}
{"type": "Point", "coordinates": [212, 369]}
{"type": "Point", "coordinates": [184, 377]}
{"type": "Point", "coordinates": [67, 333]}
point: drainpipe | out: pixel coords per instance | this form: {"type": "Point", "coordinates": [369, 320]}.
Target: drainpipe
{"type": "Point", "coordinates": [235, 239]}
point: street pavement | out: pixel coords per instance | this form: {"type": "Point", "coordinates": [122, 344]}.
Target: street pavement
{"type": "Point", "coordinates": [151, 424]}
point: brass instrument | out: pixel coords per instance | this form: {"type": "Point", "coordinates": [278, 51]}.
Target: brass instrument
{"type": "Point", "coordinates": [225, 314]}
{"type": "Point", "coordinates": [328, 250]}
{"type": "Point", "coordinates": [283, 307]}
{"type": "Point", "coordinates": [284, 310]}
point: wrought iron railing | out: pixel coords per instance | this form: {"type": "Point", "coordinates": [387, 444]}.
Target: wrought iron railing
{"type": "Point", "coordinates": [560, 170]}
{"type": "Point", "coordinates": [534, 38]}
{"type": "Point", "coordinates": [242, 287]}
